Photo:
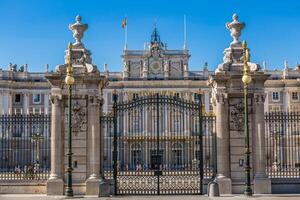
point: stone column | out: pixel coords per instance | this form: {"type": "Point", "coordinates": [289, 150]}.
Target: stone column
{"type": "Point", "coordinates": [222, 129]}
{"type": "Point", "coordinates": [262, 184]}
{"type": "Point", "coordinates": [46, 103]}
{"type": "Point", "coordinates": [92, 183]}
{"type": "Point", "coordinates": [55, 184]}
{"type": "Point", "coordinates": [26, 103]}
{"type": "Point", "coordinates": [1, 102]}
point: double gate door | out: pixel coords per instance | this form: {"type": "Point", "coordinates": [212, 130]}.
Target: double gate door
{"type": "Point", "coordinates": [156, 145]}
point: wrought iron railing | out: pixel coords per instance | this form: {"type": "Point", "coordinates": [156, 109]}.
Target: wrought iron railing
{"type": "Point", "coordinates": [282, 144]}
{"type": "Point", "coordinates": [24, 147]}
{"type": "Point", "coordinates": [208, 123]}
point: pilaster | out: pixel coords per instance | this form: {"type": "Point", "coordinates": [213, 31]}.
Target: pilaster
{"type": "Point", "coordinates": [262, 184]}
{"type": "Point", "coordinates": [55, 184]}
{"type": "Point", "coordinates": [222, 129]}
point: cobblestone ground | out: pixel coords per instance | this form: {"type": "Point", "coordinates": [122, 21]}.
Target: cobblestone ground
{"type": "Point", "coordinates": [179, 197]}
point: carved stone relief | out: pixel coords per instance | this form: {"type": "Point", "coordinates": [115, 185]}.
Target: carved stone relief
{"type": "Point", "coordinates": [236, 114]}
{"type": "Point", "coordinates": [79, 116]}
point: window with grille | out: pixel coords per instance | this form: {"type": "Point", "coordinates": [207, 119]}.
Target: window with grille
{"type": "Point", "coordinates": [275, 96]}
{"type": "Point", "coordinates": [295, 96]}
{"type": "Point", "coordinates": [18, 98]}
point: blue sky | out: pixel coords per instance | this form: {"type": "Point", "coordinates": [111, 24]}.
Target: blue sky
{"type": "Point", "coordinates": [36, 31]}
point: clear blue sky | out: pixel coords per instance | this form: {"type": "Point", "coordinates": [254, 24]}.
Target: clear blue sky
{"type": "Point", "coordinates": [36, 31]}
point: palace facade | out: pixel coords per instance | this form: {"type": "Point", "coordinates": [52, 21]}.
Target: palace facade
{"type": "Point", "coordinates": [155, 68]}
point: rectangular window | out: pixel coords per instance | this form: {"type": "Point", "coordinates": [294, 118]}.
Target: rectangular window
{"type": "Point", "coordinates": [18, 98]}
{"type": "Point", "coordinates": [135, 96]}
{"type": "Point", "coordinates": [295, 96]}
{"type": "Point", "coordinates": [36, 98]}
{"type": "Point", "coordinates": [196, 97]}
{"type": "Point", "coordinates": [275, 96]}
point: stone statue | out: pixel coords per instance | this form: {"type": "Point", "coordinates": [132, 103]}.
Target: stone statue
{"type": "Point", "coordinates": [12, 67]}
{"type": "Point", "coordinates": [235, 28]}
{"type": "Point", "coordinates": [166, 66]}
{"type": "Point", "coordinates": [78, 30]}
{"type": "Point", "coordinates": [227, 61]}
{"type": "Point", "coordinates": [22, 67]}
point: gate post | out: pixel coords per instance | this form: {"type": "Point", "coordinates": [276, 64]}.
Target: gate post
{"type": "Point", "coordinates": [227, 98]}
{"type": "Point", "coordinates": [85, 107]}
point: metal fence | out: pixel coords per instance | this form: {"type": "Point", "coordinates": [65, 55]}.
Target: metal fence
{"type": "Point", "coordinates": [209, 132]}
{"type": "Point", "coordinates": [283, 144]}
{"type": "Point", "coordinates": [24, 147]}
{"type": "Point", "coordinates": [158, 144]}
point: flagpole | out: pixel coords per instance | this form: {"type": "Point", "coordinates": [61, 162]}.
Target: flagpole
{"type": "Point", "coordinates": [125, 46]}
{"type": "Point", "coordinates": [184, 32]}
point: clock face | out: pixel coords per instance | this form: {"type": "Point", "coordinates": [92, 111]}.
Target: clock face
{"type": "Point", "coordinates": [155, 67]}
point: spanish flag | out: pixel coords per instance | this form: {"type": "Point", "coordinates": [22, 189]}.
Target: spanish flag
{"type": "Point", "coordinates": [124, 23]}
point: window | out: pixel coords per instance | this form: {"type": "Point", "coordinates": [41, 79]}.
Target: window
{"type": "Point", "coordinates": [135, 96]}
{"type": "Point", "coordinates": [18, 98]}
{"type": "Point", "coordinates": [177, 95]}
{"type": "Point", "coordinates": [196, 97]}
{"type": "Point", "coordinates": [275, 96]}
{"type": "Point", "coordinates": [36, 98]}
{"type": "Point", "coordinates": [295, 96]}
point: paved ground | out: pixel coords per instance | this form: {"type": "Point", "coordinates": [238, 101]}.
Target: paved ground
{"type": "Point", "coordinates": [179, 197]}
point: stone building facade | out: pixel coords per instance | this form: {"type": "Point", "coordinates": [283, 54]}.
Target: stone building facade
{"type": "Point", "coordinates": [156, 69]}
{"type": "Point", "coordinates": [24, 92]}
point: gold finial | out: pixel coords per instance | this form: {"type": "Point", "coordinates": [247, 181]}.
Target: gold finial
{"type": "Point", "coordinates": [244, 44]}
{"type": "Point", "coordinates": [246, 76]}
{"type": "Point", "coordinates": [69, 80]}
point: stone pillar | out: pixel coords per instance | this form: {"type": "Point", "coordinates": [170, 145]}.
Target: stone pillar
{"type": "Point", "coordinates": [87, 90]}
{"type": "Point", "coordinates": [26, 103]}
{"type": "Point", "coordinates": [92, 183]}
{"type": "Point", "coordinates": [55, 184]}
{"type": "Point", "coordinates": [46, 103]}
{"type": "Point", "coordinates": [222, 129]}
{"type": "Point", "coordinates": [262, 184]}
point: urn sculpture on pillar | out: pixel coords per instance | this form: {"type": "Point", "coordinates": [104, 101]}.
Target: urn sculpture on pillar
{"type": "Point", "coordinates": [78, 30]}
{"type": "Point", "coordinates": [235, 28]}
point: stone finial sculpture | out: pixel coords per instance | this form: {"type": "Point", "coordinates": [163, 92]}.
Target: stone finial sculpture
{"type": "Point", "coordinates": [78, 30]}
{"type": "Point", "coordinates": [235, 28]}
{"type": "Point", "coordinates": [47, 67]}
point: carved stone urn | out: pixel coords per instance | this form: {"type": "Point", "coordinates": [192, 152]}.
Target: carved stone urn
{"type": "Point", "coordinates": [235, 28]}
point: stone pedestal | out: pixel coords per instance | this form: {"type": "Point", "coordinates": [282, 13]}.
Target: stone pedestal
{"type": "Point", "coordinates": [55, 187]}
{"type": "Point", "coordinates": [224, 185]}
{"type": "Point", "coordinates": [262, 186]}
{"type": "Point", "coordinates": [92, 186]}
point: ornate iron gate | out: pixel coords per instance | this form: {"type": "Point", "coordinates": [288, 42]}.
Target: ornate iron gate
{"type": "Point", "coordinates": [157, 145]}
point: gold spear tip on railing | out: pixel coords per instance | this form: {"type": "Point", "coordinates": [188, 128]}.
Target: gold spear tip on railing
{"type": "Point", "coordinates": [70, 46]}
{"type": "Point", "coordinates": [244, 44]}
